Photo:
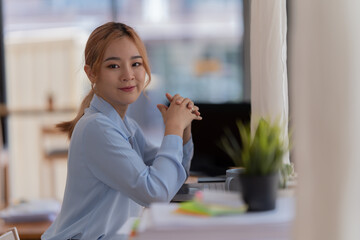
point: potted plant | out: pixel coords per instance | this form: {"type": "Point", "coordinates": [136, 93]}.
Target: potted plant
{"type": "Point", "coordinates": [260, 155]}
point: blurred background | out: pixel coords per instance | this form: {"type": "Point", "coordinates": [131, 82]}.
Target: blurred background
{"type": "Point", "coordinates": [195, 49]}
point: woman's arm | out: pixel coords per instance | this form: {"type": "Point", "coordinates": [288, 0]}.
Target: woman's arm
{"type": "Point", "coordinates": [188, 149]}
{"type": "Point", "coordinates": [187, 134]}
{"type": "Point", "coordinates": [111, 159]}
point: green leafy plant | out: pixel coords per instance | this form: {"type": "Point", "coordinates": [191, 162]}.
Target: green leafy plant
{"type": "Point", "coordinates": [286, 171]}
{"type": "Point", "coordinates": [260, 154]}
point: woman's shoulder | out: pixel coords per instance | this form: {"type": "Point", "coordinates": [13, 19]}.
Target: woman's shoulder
{"type": "Point", "coordinates": [97, 118]}
{"type": "Point", "coordinates": [94, 124]}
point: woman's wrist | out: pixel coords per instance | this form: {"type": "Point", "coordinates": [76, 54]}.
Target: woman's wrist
{"type": "Point", "coordinates": [174, 130]}
{"type": "Point", "coordinates": [187, 134]}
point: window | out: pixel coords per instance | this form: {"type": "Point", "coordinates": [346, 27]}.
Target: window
{"type": "Point", "coordinates": [195, 49]}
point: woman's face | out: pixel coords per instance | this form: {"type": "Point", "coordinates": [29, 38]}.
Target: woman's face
{"type": "Point", "coordinates": [121, 78]}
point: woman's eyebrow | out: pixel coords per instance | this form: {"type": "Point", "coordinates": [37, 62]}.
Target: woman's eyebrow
{"type": "Point", "coordinates": [135, 57]}
{"type": "Point", "coordinates": [118, 59]}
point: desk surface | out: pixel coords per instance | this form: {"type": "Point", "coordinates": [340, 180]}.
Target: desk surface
{"type": "Point", "coordinates": [159, 222]}
{"type": "Point", "coordinates": [27, 231]}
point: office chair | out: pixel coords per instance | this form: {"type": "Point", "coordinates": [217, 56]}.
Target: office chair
{"type": "Point", "coordinates": [11, 234]}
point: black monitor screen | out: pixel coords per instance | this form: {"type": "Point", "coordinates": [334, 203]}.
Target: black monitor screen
{"type": "Point", "coordinates": [208, 158]}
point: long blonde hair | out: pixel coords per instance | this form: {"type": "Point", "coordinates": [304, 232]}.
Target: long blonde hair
{"type": "Point", "coordinates": [95, 48]}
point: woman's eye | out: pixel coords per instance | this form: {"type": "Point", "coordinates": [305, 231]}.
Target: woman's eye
{"type": "Point", "coordinates": [113, 66]}
{"type": "Point", "coordinates": [137, 64]}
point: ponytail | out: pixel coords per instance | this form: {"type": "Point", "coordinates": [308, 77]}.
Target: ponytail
{"type": "Point", "coordinates": [68, 127]}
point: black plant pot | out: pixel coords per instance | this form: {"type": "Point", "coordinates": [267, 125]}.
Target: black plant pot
{"type": "Point", "coordinates": [259, 192]}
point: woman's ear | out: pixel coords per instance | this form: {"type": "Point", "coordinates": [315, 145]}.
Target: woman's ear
{"type": "Point", "coordinates": [90, 74]}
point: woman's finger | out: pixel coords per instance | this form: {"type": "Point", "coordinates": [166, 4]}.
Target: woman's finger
{"type": "Point", "coordinates": [195, 110]}
{"type": "Point", "coordinates": [162, 108]}
{"type": "Point", "coordinates": [196, 115]}
{"type": "Point", "coordinates": [177, 98]}
{"type": "Point", "coordinates": [169, 97]}
{"type": "Point", "coordinates": [198, 118]}
{"type": "Point", "coordinates": [191, 106]}
{"type": "Point", "coordinates": [186, 102]}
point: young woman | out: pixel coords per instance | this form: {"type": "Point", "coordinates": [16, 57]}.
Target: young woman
{"type": "Point", "coordinates": [112, 169]}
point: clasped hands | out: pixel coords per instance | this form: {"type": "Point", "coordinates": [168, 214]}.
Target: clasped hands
{"type": "Point", "coordinates": [179, 115]}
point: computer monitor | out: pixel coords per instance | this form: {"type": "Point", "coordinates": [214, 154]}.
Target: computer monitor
{"type": "Point", "coordinates": [208, 158]}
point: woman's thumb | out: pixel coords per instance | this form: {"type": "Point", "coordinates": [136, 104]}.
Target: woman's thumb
{"type": "Point", "coordinates": [162, 108]}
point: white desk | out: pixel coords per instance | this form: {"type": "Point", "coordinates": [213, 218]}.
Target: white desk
{"type": "Point", "coordinates": [159, 222]}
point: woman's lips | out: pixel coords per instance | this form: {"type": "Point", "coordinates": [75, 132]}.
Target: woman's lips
{"type": "Point", "coordinates": [127, 89]}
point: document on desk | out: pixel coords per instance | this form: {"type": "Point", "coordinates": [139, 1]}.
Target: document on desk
{"type": "Point", "coordinates": [160, 222]}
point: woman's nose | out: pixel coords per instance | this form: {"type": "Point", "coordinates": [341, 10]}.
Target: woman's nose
{"type": "Point", "coordinates": [127, 74]}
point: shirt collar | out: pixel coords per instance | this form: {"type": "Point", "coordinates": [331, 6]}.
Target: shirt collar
{"type": "Point", "coordinates": [100, 105]}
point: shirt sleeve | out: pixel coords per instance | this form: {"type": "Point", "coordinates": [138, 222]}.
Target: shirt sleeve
{"type": "Point", "coordinates": [150, 151]}
{"type": "Point", "coordinates": [112, 160]}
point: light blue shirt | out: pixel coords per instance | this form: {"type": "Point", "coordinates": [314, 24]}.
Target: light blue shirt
{"type": "Point", "coordinates": [112, 172]}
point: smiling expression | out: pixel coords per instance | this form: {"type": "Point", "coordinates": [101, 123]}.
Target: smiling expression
{"type": "Point", "coordinates": [121, 77]}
